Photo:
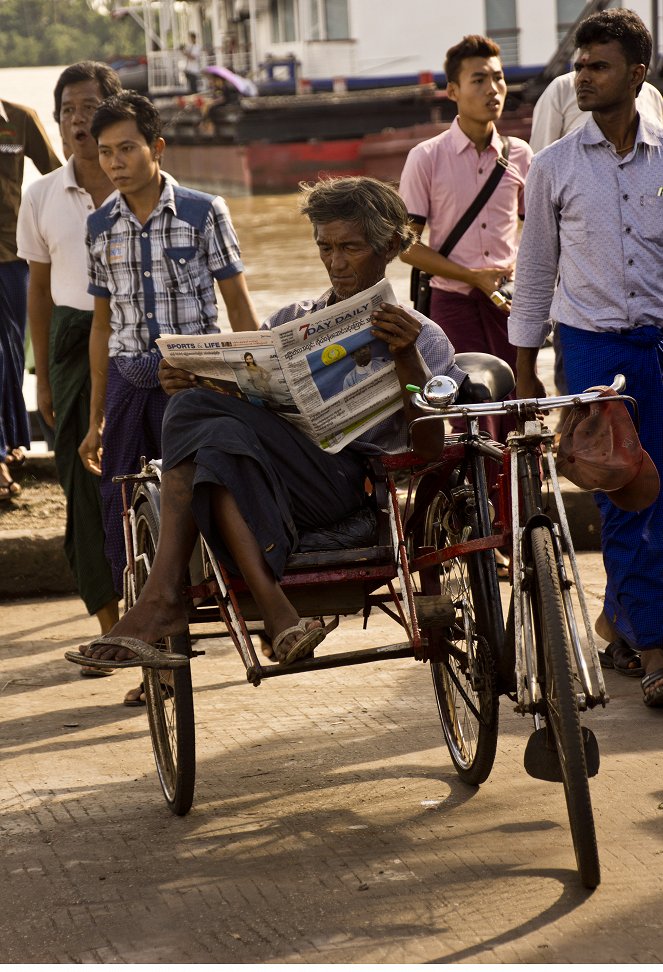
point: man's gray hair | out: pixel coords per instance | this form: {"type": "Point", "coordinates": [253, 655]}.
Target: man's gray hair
{"type": "Point", "coordinates": [375, 206]}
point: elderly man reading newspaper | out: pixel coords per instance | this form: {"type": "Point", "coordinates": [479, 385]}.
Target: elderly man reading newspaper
{"type": "Point", "coordinates": [250, 480]}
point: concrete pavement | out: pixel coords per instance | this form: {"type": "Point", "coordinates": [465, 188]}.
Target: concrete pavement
{"type": "Point", "coordinates": [328, 823]}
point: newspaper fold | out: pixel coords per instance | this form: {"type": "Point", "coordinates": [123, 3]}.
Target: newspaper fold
{"type": "Point", "coordinates": [324, 372]}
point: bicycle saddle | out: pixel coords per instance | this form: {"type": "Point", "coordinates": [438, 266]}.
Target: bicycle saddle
{"type": "Point", "coordinates": [486, 370]}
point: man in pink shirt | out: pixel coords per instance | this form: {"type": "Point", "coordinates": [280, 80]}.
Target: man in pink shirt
{"type": "Point", "coordinates": [441, 178]}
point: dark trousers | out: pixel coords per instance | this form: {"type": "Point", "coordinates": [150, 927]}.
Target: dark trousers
{"type": "Point", "coordinates": [133, 418]}
{"type": "Point", "coordinates": [282, 482]}
{"type": "Point", "coordinates": [14, 424]}
{"type": "Point", "coordinates": [69, 372]}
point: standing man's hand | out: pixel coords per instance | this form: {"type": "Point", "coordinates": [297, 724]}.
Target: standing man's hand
{"type": "Point", "coordinates": [45, 402]}
{"type": "Point", "coordinates": [90, 451]}
{"type": "Point", "coordinates": [528, 383]}
{"type": "Point", "coordinates": [489, 279]}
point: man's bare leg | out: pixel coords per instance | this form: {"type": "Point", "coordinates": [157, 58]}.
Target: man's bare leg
{"type": "Point", "coordinates": [160, 609]}
{"type": "Point", "coordinates": [276, 610]}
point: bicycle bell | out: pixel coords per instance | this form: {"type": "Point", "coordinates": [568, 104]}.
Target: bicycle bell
{"type": "Point", "coordinates": [441, 391]}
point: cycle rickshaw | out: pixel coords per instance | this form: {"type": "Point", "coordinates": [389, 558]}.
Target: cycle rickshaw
{"type": "Point", "coordinates": [431, 567]}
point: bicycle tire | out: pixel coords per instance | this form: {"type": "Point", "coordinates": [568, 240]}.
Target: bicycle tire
{"type": "Point", "coordinates": [562, 716]}
{"type": "Point", "coordinates": [168, 693]}
{"type": "Point", "coordinates": [465, 688]}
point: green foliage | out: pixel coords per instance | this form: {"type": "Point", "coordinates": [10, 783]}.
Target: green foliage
{"type": "Point", "coordinates": [40, 32]}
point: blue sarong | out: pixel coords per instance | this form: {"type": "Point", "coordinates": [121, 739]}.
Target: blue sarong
{"type": "Point", "coordinates": [632, 543]}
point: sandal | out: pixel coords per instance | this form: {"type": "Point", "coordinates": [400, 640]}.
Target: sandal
{"type": "Point", "coordinates": [303, 647]}
{"type": "Point", "coordinates": [621, 657]}
{"type": "Point", "coordinates": [8, 488]}
{"type": "Point", "coordinates": [146, 656]}
{"type": "Point", "coordinates": [655, 697]}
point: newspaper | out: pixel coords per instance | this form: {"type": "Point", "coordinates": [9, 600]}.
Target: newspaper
{"type": "Point", "coordinates": [325, 372]}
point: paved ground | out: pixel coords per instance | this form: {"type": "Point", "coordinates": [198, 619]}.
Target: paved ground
{"type": "Point", "coordinates": [328, 824]}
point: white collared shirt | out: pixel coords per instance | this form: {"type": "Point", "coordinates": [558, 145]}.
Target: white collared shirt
{"type": "Point", "coordinates": [51, 229]}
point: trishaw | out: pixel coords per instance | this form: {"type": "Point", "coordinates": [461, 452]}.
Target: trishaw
{"type": "Point", "coordinates": [431, 567]}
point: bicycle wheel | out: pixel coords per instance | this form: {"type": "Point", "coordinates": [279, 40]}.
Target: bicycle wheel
{"type": "Point", "coordinates": [562, 717]}
{"type": "Point", "coordinates": [168, 693]}
{"type": "Point", "coordinates": [464, 681]}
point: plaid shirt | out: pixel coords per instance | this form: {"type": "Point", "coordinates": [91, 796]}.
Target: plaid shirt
{"type": "Point", "coordinates": [159, 277]}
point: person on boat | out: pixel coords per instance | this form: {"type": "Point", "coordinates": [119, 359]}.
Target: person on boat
{"type": "Point", "coordinates": [192, 53]}
{"type": "Point", "coordinates": [441, 178]}
{"type": "Point", "coordinates": [154, 253]}
{"type": "Point", "coordinates": [248, 479]}
{"type": "Point", "coordinates": [51, 237]}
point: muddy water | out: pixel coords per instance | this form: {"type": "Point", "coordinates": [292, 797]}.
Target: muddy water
{"type": "Point", "coordinates": [280, 256]}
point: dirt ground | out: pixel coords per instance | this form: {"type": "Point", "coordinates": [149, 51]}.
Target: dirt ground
{"type": "Point", "coordinates": [41, 502]}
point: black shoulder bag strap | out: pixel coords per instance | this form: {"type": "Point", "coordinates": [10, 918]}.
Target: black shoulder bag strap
{"type": "Point", "coordinates": [479, 201]}
{"type": "Point", "coordinates": [419, 280]}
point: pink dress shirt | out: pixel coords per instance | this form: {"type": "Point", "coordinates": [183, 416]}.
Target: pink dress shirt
{"type": "Point", "coordinates": [440, 179]}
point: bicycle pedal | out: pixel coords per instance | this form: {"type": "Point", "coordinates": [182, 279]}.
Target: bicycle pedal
{"type": "Point", "coordinates": [542, 762]}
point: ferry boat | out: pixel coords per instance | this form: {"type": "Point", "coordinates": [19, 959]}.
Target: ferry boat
{"type": "Point", "coordinates": [332, 86]}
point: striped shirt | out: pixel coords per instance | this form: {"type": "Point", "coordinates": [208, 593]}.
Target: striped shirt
{"type": "Point", "coordinates": [597, 219]}
{"type": "Point", "coordinates": [159, 277]}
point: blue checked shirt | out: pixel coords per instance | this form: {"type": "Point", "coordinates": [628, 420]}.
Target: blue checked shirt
{"type": "Point", "coordinates": [391, 435]}
{"type": "Point", "coordinates": [159, 277]}
{"type": "Point", "coordinates": [596, 218]}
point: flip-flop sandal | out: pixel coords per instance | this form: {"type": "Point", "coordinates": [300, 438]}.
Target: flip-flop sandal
{"type": "Point", "coordinates": [146, 656]}
{"type": "Point", "coordinates": [655, 697]}
{"type": "Point", "coordinates": [617, 655]}
{"type": "Point", "coordinates": [303, 647]}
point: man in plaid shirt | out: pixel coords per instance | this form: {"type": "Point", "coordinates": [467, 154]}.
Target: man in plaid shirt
{"type": "Point", "coordinates": [154, 252]}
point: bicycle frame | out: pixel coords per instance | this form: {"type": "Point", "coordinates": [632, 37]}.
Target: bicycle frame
{"type": "Point", "coordinates": [519, 509]}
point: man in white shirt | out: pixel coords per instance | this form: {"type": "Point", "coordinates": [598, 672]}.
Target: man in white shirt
{"type": "Point", "coordinates": [51, 237]}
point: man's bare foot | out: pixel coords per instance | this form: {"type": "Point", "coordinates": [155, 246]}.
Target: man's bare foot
{"type": "Point", "coordinates": [605, 629]}
{"type": "Point", "coordinates": [149, 620]}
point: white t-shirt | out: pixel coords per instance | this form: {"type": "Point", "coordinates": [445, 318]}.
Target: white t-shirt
{"type": "Point", "coordinates": [51, 229]}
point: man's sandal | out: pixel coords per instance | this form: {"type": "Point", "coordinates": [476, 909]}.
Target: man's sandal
{"type": "Point", "coordinates": [147, 656]}
{"type": "Point", "coordinates": [655, 697]}
{"type": "Point", "coordinates": [303, 647]}
{"type": "Point", "coordinates": [620, 656]}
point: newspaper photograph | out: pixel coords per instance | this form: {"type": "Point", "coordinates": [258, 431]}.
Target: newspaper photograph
{"type": "Point", "coordinates": [325, 372]}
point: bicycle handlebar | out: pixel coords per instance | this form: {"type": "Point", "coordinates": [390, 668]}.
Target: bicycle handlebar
{"type": "Point", "coordinates": [447, 407]}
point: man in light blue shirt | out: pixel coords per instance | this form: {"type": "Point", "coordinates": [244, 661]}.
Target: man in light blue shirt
{"type": "Point", "coordinates": [591, 260]}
